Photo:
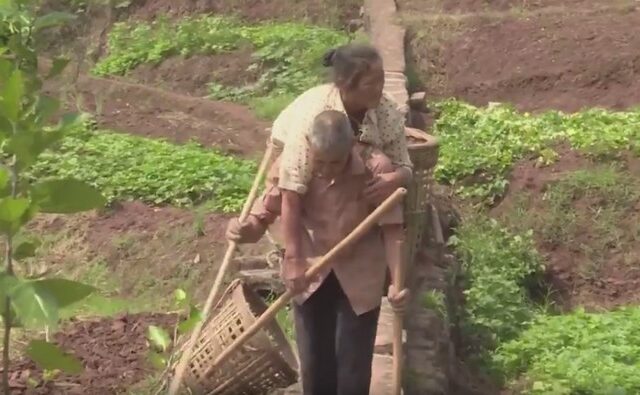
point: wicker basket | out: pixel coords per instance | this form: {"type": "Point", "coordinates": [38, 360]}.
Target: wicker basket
{"type": "Point", "coordinates": [265, 364]}
{"type": "Point", "coordinates": [423, 150]}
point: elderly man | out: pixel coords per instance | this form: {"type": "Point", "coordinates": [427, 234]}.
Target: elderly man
{"type": "Point", "coordinates": [335, 314]}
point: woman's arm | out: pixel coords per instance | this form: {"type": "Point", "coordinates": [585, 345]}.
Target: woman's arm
{"type": "Point", "coordinates": [394, 146]}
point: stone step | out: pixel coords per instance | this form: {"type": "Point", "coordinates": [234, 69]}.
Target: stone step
{"type": "Point", "coordinates": [381, 378]}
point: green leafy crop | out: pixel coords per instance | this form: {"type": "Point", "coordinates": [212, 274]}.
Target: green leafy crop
{"type": "Point", "coordinates": [286, 55]}
{"type": "Point", "coordinates": [577, 353]}
{"type": "Point", "coordinates": [478, 146]}
{"type": "Point", "coordinates": [498, 267]}
{"type": "Point", "coordinates": [128, 167]}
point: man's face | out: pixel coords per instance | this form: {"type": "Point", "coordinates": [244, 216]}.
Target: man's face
{"type": "Point", "coordinates": [329, 165]}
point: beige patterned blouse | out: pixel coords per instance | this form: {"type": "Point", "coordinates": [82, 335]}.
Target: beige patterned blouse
{"type": "Point", "coordinates": [382, 127]}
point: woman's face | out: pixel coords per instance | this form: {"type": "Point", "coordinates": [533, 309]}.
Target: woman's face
{"type": "Point", "coordinates": [368, 92]}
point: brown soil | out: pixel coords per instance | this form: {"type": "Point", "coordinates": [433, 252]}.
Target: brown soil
{"type": "Point", "coordinates": [559, 59]}
{"type": "Point", "coordinates": [333, 12]}
{"type": "Point", "coordinates": [192, 75]}
{"type": "Point", "coordinates": [144, 246]}
{"type": "Point", "coordinates": [153, 112]}
{"type": "Point", "coordinates": [467, 6]}
{"type": "Point", "coordinates": [113, 352]}
{"type": "Point", "coordinates": [613, 279]}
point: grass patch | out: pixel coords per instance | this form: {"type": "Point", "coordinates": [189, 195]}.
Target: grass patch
{"type": "Point", "coordinates": [478, 146]}
{"type": "Point", "coordinates": [288, 55]}
{"type": "Point", "coordinates": [577, 353]}
{"type": "Point", "coordinates": [127, 167]}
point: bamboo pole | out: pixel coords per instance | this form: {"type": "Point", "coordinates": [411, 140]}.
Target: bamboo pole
{"type": "Point", "coordinates": [215, 289]}
{"type": "Point", "coordinates": [326, 260]}
{"type": "Point", "coordinates": [398, 327]}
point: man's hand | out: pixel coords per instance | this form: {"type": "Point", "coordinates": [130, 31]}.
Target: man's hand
{"type": "Point", "coordinates": [398, 300]}
{"type": "Point", "coordinates": [249, 231]}
{"type": "Point", "coordinates": [293, 269]}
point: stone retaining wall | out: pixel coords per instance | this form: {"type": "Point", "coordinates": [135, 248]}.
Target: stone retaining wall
{"type": "Point", "coordinates": [429, 350]}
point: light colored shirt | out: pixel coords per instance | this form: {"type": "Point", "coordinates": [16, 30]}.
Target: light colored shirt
{"type": "Point", "coordinates": [382, 127]}
{"type": "Point", "coordinates": [331, 209]}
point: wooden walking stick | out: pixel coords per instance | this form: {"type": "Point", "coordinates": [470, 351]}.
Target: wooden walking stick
{"type": "Point", "coordinates": [398, 326]}
{"type": "Point", "coordinates": [270, 313]}
{"type": "Point", "coordinates": [215, 289]}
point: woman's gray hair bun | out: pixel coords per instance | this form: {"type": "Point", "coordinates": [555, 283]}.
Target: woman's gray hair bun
{"type": "Point", "coordinates": [329, 56]}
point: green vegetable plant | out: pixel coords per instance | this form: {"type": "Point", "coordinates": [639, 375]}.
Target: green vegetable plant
{"type": "Point", "coordinates": [161, 343]}
{"type": "Point", "coordinates": [576, 353]}
{"type": "Point", "coordinates": [286, 56]}
{"type": "Point", "coordinates": [125, 167]}
{"type": "Point", "coordinates": [499, 267]}
{"type": "Point", "coordinates": [479, 146]}
{"type": "Point", "coordinates": [25, 133]}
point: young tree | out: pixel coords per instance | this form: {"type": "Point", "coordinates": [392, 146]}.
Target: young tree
{"type": "Point", "coordinates": [26, 130]}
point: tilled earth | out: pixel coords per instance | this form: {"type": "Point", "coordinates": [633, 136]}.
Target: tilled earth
{"type": "Point", "coordinates": [113, 352]}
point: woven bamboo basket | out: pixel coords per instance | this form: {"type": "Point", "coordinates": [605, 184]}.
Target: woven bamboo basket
{"type": "Point", "coordinates": [265, 364]}
{"type": "Point", "coordinates": [423, 150]}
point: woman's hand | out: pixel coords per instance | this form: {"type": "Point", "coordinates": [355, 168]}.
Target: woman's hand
{"type": "Point", "coordinates": [382, 186]}
{"type": "Point", "coordinates": [398, 300]}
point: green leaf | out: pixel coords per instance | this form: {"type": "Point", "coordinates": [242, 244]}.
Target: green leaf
{"type": "Point", "coordinates": [71, 120]}
{"type": "Point", "coordinates": [49, 356]}
{"type": "Point", "coordinates": [180, 296]}
{"type": "Point", "coordinates": [35, 308]}
{"type": "Point", "coordinates": [11, 212]}
{"type": "Point", "coordinates": [6, 129]}
{"type": "Point", "coordinates": [25, 248]}
{"type": "Point", "coordinates": [12, 96]}
{"type": "Point", "coordinates": [5, 70]}
{"type": "Point", "coordinates": [29, 144]}
{"type": "Point", "coordinates": [158, 337]}
{"type": "Point", "coordinates": [7, 284]}
{"type": "Point", "coordinates": [46, 107]}
{"type": "Point", "coordinates": [65, 292]}
{"type": "Point", "coordinates": [4, 178]}
{"type": "Point", "coordinates": [52, 19]}
{"type": "Point", "coordinates": [187, 325]}
{"type": "Point", "coordinates": [58, 66]}
{"type": "Point", "coordinates": [66, 196]}
{"type": "Point", "coordinates": [158, 361]}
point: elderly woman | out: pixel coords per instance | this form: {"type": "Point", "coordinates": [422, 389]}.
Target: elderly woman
{"type": "Point", "coordinates": [356, 90]}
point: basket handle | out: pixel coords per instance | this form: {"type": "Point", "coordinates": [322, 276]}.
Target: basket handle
{"type": "Point", "coordinates": [323, 263]}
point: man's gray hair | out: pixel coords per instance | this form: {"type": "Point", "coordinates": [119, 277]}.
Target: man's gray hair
{"type": "Point", "coordinates": [331, 133]}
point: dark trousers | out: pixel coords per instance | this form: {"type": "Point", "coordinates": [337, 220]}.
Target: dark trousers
{"type": "Point", "coordinates": [334, 344]}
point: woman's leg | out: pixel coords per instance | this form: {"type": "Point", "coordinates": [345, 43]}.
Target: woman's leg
{"type": "Point", "coordinates": [355, 341]}
{"type": "Point", "coordinates": [315, 323]}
